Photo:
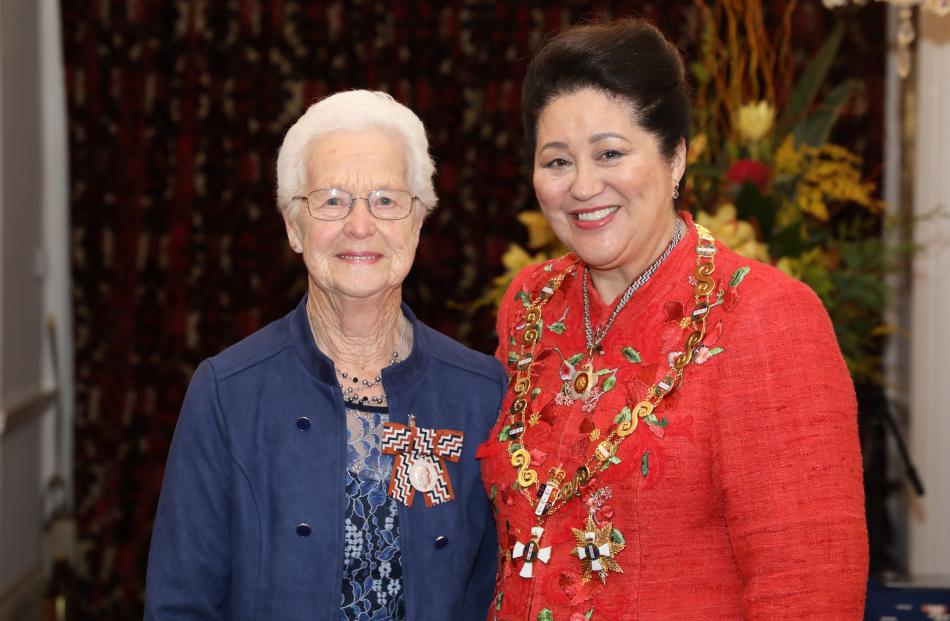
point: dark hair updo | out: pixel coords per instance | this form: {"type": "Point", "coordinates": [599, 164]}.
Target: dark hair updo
{"type": "Point", "coordinates": [627, 58]}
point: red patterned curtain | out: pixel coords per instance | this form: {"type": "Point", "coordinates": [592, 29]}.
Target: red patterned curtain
{"type": "Point", "coordinates": [176, 111]}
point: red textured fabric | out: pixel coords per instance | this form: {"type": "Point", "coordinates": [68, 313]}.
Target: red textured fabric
{"type": "Point", "coordinates": [747, 504]}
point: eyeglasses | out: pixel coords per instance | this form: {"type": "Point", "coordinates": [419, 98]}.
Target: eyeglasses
{"type": "Point", "coordinates": [333, 204]}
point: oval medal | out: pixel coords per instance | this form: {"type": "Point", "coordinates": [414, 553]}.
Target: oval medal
{"type": "Point", "coordinates": [423, 475]}
{"type": "Point", "coordinates": [582, 382]}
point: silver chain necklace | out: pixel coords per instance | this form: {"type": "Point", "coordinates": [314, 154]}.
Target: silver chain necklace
{"type": "Point", "coordinates": [594, 340]}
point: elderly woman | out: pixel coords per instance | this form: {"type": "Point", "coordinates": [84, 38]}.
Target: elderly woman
{"type": "Point", "coordinates": [679, 439]}
{"type": "Point", "coordinates": [323, 468]}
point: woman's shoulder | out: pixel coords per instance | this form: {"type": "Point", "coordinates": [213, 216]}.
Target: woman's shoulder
{"type": "Point", "coordinates": [761, 287]}
{"type": "Point", "coordinates": [760, 310]}
{"type": "Point", "coordinates": [532, 277]}
{"type": "Point", "coordinates": [253, 350]}
{"type": "Point", "coordinates": [459, 357]}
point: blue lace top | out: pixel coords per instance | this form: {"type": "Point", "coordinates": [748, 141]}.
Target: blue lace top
{"type": "Point", "coordinates": [372, 565]}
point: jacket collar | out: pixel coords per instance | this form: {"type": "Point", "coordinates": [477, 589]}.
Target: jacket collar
{"type": "Point", "coordinates": [396, 378]}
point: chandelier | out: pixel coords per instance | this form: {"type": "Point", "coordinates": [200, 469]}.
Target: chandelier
{"type": "Point", "coordinates": [905, 29]}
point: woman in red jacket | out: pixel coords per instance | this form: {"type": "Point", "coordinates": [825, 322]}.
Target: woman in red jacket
{"type": "Point", "coordinates": [679, 436]}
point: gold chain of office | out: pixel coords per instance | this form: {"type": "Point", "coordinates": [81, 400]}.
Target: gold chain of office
{"type": "Point", "coordinates": [607, 448]}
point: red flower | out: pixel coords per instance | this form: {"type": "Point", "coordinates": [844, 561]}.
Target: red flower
{"type": "Point", "coordinates": [674, 311]}
{"type": "Point", "coordinates": [508, 496]}
{"type": "Point", "coordinates": [540, 432]}
{"type": "Point", "coordinates": [604, 514]}
{"type": "Point", "coordinates": [730, 299]}
{"type": "Point", "coordinates": [574, 589]}
{"type": "Point", "coordinates": [538, 457]}
{"type": "Point", "coordinates": [750, 171]}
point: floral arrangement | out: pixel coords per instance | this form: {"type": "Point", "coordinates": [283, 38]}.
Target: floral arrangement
{"type": "Point", "coordinates": [764, 178]}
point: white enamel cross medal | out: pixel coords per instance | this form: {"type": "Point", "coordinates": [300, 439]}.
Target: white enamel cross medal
{"type": "Point", "coordinates": [531, 552]}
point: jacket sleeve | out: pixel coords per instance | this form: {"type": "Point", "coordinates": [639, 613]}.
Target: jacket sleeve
{"type": "Point", "coordinates": [189, 564]}
{"type": "Point", "coordinates": [788, 461]}
{"type": "Point", "coordinates": [481, 584]}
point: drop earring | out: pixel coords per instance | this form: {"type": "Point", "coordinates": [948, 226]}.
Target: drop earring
{"type": "Point", "coordinates": [676, 190]}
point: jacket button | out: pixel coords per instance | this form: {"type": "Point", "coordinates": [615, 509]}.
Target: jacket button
{"type": "Point", "coordinates": [441, 541]}
{"type": "Point", "coordinates": [303, 423]}
{"type": "Point", "coordinates": [303, 529]}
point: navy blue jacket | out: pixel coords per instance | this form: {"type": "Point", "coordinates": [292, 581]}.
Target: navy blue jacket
{"type": "Point", "coordinates": [242, 477]}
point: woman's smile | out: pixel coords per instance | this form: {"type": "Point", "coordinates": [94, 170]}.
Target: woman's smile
{"type": "Point", "coordinates": [359, 257]}
{"type": "Point", "coordinates": [593, 218]}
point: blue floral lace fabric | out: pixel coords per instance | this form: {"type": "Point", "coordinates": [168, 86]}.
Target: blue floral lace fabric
{"type": "Point", "coordinates": [372, 564]}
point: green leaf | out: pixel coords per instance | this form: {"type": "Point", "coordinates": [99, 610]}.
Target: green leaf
{"type": "Point", "coordinates": [534, 393]}
{"type": "Point", "coordinates": [645, 464]}
{"type": "Point", "coordinates": [557, 327]}
{"type": "Point", "coordinates": [787, 242]}
{"type": "Point", "coordinates": [545, 615]}
{"type": "Point", "coordinates": [609, 383]}
{"type": "Point", "coordinates": [617, 537]}
{"type": "Point", "coordinates": [663, 422]}
{"type": "Point", "coordinates": [575, 358]}
{"type": "Point", "coordinates": [624, 415]}
{"type": "Point", "coordinates": [523, 296]}
{"type": "Point", "coordinates": [514, 447]}
{"type": "Point", "coordinates": [503, 434]}
{"type": "Point", "coordinates": [753, 206]}
{"type": "Point", "coordinates": [630, 354]}
{"type": "Point", "coordinates": [614, 459]}
{"type": "Point", "coordinates": [512, 341]}
{"type": "Point", "coordinates": [651, 419]}
{"type": "Point", "coordinates": [498, 600]}
{"type": "Point", "coordinates": [815, 128]}
{"type": "Point", "coordinates": [548, 267]}
{"type": "Point", "coordinates": [512, 357]}
{"type": "Point", "coordinates": [810, 83]}
{"type": "Point", "coordinates": [739, 275]}
{"type": "Point", "coordinates": [716, 350]}
{"type": "Point", "coordinates": [589, 613]}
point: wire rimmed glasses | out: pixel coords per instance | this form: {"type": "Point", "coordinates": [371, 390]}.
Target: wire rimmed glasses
{"type": "Point", "coordinates": [331, 204]}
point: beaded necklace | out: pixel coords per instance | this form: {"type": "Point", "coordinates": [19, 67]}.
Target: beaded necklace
{"type": "Point", "coordinates": [352, 387]}
{"type": "Point", "coordinates": [595, 548]}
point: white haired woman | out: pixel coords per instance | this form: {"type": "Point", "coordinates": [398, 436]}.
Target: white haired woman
{"type": "Point", "coordinates": [323, 468]}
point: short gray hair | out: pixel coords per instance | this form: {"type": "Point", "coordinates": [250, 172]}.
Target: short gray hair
{"type": "Point", "coordinates": [353, 110]}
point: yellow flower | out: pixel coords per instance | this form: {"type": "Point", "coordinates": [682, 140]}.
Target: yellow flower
{"type": "Point", "coordinates": [822, 177]}
{"type": "Point", "coordinates": [737, 234]}
{"type": "Point", "coordinates": [517, 258]}
{"type": "Point", "coordinates": [697, 146]}
{"type": "Point", "coordinates": [755, 120]}
{"type": "Point", "coordinates": [788, 160]}
{"type": "Point", "coordinates": [539, 231]}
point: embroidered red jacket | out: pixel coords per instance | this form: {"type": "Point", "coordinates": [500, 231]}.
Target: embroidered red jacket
{"type": "Point", "coordinates": [745, 500]}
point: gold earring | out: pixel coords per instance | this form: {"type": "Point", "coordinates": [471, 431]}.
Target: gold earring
{"type": "Point", "coordinates": [676, 190]}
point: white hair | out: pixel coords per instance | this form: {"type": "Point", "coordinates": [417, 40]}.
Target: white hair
{"type": "Point", "coordinates": [353, 110]}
